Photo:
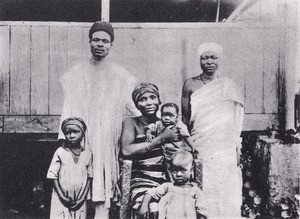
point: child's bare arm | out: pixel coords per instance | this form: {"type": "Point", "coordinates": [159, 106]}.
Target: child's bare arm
{"type": "Point", "coordinates": [189, 141]}
{"type": "Point", "coordinates": [65, 200]}
{"type": "Point", "coordinates": [145, 204]}
{"type": "Point", "coordinates": [87, 188]}
{"type": "Point", "coordinates": [183, 130]}
{"type": "Point", "coordinates": [79, 202]}
{"type": "Point", "coordinates": [238, 155]}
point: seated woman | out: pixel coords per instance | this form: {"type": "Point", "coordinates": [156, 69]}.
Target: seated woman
{"type": "Point", "coordinates": [148, 171]}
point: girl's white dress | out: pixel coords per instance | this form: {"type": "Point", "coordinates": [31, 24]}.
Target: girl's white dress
{"type": "Point", "coordinates": [179, 202]}
{"type": "Point", "coordinates": [72, 178]}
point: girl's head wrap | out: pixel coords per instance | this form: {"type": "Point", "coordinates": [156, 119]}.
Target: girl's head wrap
{"type": "Point", "coordinates": [79, 123]}
{"type": "Point", "coordinates": [74, 121]}
{"type": "Point", "coordinates": [142, 89]}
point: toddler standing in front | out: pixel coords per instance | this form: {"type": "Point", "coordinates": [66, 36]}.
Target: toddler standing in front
{"type": "Point", "coordinates": [179, 199]}
{"type": "Point", "coordinates": [71, 172]}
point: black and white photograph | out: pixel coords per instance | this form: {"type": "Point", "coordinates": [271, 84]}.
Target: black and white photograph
{"type": "Point", "coordinates": [149, 109]}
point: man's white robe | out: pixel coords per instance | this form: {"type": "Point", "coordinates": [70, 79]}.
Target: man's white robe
{"type": "Point", "coordinates": [100, 94]}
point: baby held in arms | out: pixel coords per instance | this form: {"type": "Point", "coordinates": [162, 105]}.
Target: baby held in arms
{"type": "Point", "coordinates": [169, 118]}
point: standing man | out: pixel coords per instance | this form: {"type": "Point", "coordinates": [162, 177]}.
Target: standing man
{"type": "Point", "coordinates": [212, 107]}
{"type": "Point", "coordinates": [99, 92]}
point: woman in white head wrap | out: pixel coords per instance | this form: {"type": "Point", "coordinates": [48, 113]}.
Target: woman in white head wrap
{"type": "Point", "coordinates": [210, 47]}
{"type": "Point", "coordinates": [212, 107]}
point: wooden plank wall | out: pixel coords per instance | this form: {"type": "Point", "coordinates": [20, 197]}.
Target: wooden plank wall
{"type": "Point", "coordinates": [20, 71]}
{"type": "Point", "coordinates": [39, 70]}
{"type": "Point", "coordinates": [35, 56]}
{"type": "Point", "coordinates": [4, 69]}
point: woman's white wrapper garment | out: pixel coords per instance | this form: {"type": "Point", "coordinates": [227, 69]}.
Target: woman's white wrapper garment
{"type": "Point", "coordinates": [216, 118]}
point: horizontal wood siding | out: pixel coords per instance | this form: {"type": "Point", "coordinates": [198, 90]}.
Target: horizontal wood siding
{"type": "Point", "coordinates": [38, 55]}
{"type": "Point", "coordinates": [30, 124]}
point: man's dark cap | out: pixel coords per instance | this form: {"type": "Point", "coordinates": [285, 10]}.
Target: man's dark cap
{"type": "Point", "coordinates": [102, 26]}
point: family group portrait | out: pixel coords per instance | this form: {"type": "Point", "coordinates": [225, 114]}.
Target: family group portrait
{"type": "Point", "coordinates": [153, 109]}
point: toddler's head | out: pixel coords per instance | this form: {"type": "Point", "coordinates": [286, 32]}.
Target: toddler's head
{"type": "Point", "coordinates": [169, 114]}
{"type": "Point", "coordinates": [73, 129]}
{"type": "Point", "coordinates": [181, 166]}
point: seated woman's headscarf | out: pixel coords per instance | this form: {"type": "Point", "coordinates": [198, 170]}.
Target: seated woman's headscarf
{"type": "Point", "coordinates": [142, 89]}
{"type": "Point", "coordinates": [210, 47]}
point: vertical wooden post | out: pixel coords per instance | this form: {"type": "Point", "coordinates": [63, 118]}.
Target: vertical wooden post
{"type": "Point", "coordinates": [4, 69]}
{"type": "Point", "coordinates": [297, 46]}
{"type": "Point", "coordinates": [291, 53]}
{"type": "Point", "coordinates": [288, 66]}
{"type": "Point", "coordinates": [105, 10]}
{"type": "Point", "coordinates": [125, 189]}
{"type": "Point", "coordinates": [218, 12]}
{"type": "Point", "coordinates": [297, 90]}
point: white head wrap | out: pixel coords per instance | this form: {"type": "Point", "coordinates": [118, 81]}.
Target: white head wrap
{"type": "Point", "coordinates": [211, 47]}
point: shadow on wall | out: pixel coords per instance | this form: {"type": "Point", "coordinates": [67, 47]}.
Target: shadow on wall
{"type": "Point", "coordinates": [25, 193]}
{"type": "Point", "coordinates": [24, 190]}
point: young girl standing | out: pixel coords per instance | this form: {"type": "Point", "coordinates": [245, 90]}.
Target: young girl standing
{"type": "Point", "coordinates": [71, 172]}
{"type": "Point", "coordinates": [180, 199]}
